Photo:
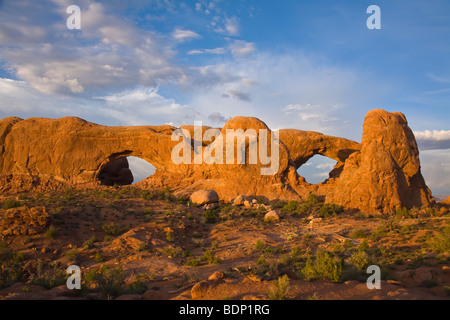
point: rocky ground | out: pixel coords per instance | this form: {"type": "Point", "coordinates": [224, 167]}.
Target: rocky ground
{"type": "Point", "coordinates": [138, 244]}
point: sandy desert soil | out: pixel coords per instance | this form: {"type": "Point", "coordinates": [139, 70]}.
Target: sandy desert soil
{"type": "Point", "coordinates": [139, 244]}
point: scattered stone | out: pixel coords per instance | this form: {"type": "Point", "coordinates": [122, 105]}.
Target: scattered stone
{"type": "Point", "coordinates": [202, 197]}
{"type": "Point", "coordinates": [216, 275]}
{"type": "Point", "coordinates": [211, 206]}
{"type": "Point", "coordinates": [239, 201]}
{"type": "Point", "coordinates": [23, 221]}
{"type": "Point", "coordinates": [248, 204]}
{"type": "Point", "coordinates": [271, 216]}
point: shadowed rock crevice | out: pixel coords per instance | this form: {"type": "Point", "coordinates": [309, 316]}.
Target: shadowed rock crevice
{"type": "Point", "coordinates": [116, 172]}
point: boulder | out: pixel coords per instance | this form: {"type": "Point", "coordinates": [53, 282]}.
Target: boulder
{"type": "Point", "coordinates": [271, 216]}
{"type": "Point", "coordinates": [239, 201]}
{"type": "Point", "coordinates": [202, 197]}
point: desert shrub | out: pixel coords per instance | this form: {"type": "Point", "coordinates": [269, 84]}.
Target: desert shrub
{"type": "Point", "coordinates": [108, 281]}
{"type": "Point", "coordinates": [89, 243]}
{"type": "Point", "coordinates": [98, 257]}
{"type": "Point", "coordinates": [51, 232]}
{"type": "Point", "coordinates": [11, 266]}
{"type": "Point", "coordinates": [359, 259]}
{"type": "Point", "coordinates": [211, 215]}
{"type": "Point", "coordinates": [328, 209]}
{"type": "Point", "coordinates": [137, 287]}
{"type": "Point", "coordinates": [146, 194]}
{"type": "Point", "coordinates": [402, 212]}
{"type": "Point", "coordinates": [428, 283]}
{"type": "Point", "coordinates": [53, 276]}
{"type": "Point", "coordinates": [169, 236]}
{"type": "Point", "coordinates": [280, 288]}
{"type": "Point", "coordinates": [290, 207]}
{"type": "Point", "coordinates": [210, 257]}
{"type": "Point", "coordinates": [259, 245]}
{"type": "Point", "coordinates": [364, 245]}
{"type": "Point", "coordinates": [441, 242]}
{"type": "Point", "coordinates": [296, 208]}
{"type": "Point", "coordinates": [166, 195]}
{"type": "Point", "coordinates": [325, 267]}
{"type": "Point", "coordinates": [112, 229]}
{"type": "Point", "coordinates": [357, 234]}
{"type": "Point", "coordinates": [193, 263]}
{"type": "Point", "coordinates": [72, 254]}
{"type": "Point", "coordinates": [11, 203]}
{"type": "Point", "coordinates": [312, 198]}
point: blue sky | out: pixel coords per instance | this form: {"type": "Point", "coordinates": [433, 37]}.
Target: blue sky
{"type": "Point", "coordinates": [309, 65]}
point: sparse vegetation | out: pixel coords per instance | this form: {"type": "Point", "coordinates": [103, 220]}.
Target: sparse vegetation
{"type": "Point", "coordinates": [324, 266]}
{"type": "Point", "coordinates": [11, 266]}
{"type": "Point", "coordinates": [108, 281]}
{"type": "Point", "coordinates": [280, 288]}
{"type": "Point", "coordinates": [51, 232]}
{"type": "Point", "coordinates": [11, 203]}
{"type": "Point", "coordinates": [52, 276]}
{"type": "Point", "coordinates": [194, 239]}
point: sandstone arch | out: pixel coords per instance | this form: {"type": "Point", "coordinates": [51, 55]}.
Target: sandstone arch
{"type": "Point", "coordinates": [377, 175]}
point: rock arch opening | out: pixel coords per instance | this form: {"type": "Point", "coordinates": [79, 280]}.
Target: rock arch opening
{"type": "Point", "coordinates": [125, 171]}
{"type": "Point", "coordinates": [317, 169]}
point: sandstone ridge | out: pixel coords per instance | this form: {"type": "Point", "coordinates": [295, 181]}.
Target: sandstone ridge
{"type": "Point", "coordinates": [379, 174]}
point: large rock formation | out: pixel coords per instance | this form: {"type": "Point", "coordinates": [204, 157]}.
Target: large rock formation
{"type": "Point", "coordinates": [378, 175]}
{"type": "Point", "coordinates": [385, 174]}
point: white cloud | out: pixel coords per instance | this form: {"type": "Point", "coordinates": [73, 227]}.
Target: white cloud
{"type": "Point", "coordinates": [138, 106]}
{"type": "Point", "coordinates": [435, 166]}
{"type": "Point", "coordinates": [241, 48]}
{"type": "Point", "coordinates": [439, 79]}
{"type": "Point", "coordinates": [227, 26]}
{"type": "Point", "coordinates": [108, 53]}
{"type": "Point", "coordinates": [435, 139]}
{"type": "Point", "coordinates": [232, 26]}
{"type": "Point", "coordinates": [435, 135]}
{"type": "Point", "coordinates": [208, 51]}
{"type": "Point", "coordinates": [185, 35]}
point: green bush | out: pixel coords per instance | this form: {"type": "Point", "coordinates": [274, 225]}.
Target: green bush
{"type": "Point", "coordinates": [441, 242]}
{"type": "Point", "coordinates": [402, 212]}
{"type": "Point", "coordinates": [112, 229]}
{"type": "Point", "coordinates": [211, 215]}
{"type": "Point", "coordinates": [313, 199]}
{"type": "Point", "coordinates": [137, 287]}
{"type": "Point", "coordinates": [359, 259]}
{"type": "Point", "coordinates": [11, 266]}
{"type": "Point", "coordinates": [280, 288]}
{"type": "Point", "coordinates": [52, 277]}
{"type": "Point", "coordinates": [193, 263]}
{"type": "Point", "coordinates": [72, 254]}
{"type": "Point", "coordinates": [324, 267]}
{"type": "Point", "coordinates": [50, 233]}
{"type": "Point", "coordinates": [210, 256]}
{"type": "Point", "coordinates": [11, 203]}
{"type": "Point", "coordinates": [89, 243]}
{"type": "Point", "coordinates": [328, 209]}
{"type": "Point", "coordinates": [357, 234]}
{"type": "Point", "coordinates": [109, 281]}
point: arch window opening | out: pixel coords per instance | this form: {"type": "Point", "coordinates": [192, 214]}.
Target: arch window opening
{"type": "Point", "coordinates": [125, 171]}
{"type": "Point", "coordinates": [317, 169]}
